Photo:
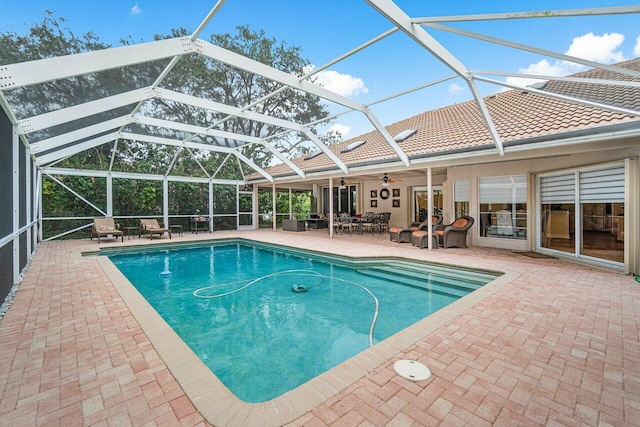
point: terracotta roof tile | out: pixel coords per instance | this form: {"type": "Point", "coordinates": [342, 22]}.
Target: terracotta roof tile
{"type": "Point", "coordinates": [516, 115]}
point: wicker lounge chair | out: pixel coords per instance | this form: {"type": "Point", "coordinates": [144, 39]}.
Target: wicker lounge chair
{"type": "Point", "coordinates": [435, 220]}
{"type": "Point", "coordinates": [400, 235]}
{"type": "Point", "coordinates": [151, 227]}
{"type": "Point", "coordinates": [103, 227]}
{"type": "Point", "coordinates": [403, 235]}
{"type": "Point", "coordinates": [454, 234]}
{"type": "Point", "coordinates": [420, 238]}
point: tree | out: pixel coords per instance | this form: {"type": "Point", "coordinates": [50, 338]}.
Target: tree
{"type": "Point", "coordinates": [193, 74]}
{"type": "Point", "coordinates": [203, 77]}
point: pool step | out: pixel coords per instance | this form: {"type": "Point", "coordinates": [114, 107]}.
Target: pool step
{"type": "Point", "coordinates": [463, 278]}
{"type": "Point", "coordinates": [416, 282]}
{"type": "Point", "coordinates": [454, 286]}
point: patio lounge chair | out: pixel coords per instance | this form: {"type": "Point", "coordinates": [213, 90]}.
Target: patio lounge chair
{"type": "Point", "coordinates": [105, 226]}
{"type": "Point", "coordinates": [435, 220]}
{"type": "Point", "coordinates": [403, 235]}
{"type": "Point", "coordinates": [400, 235]}
{"type": "Point", "coordinates": [420, 238]}
{"type": "Point", "coordinates": [454, 234]}
{"type": "Point", "coordinates": [151, 227]}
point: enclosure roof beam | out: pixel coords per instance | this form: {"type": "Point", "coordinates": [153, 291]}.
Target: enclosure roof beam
{"type": "Point", "coordinates": [136, 175]}
{"type": "Point", "coordinates": [173, 142]}
{"type": "Point", "coordinates": [198, 146]}
{"type": "Point", "coordinates": [608, 82]}
{"type": "Point", "coordinates": [401, 20]}
{"type": "Point", "coordinates": [326, 150]}
{"type": "Point", "coordinates": [284, 159]}
{"type": "Point", "coordinates": [44, 70]}
{"type": "Point", "coordinates": [562, 97]}
{"type": "Point", "coordinates": [255, 67]}
{"type": "Point", "coordinates": [75, 112]}
{"type": "Point", "coordinates": [207, 19]}
{"type": "Point", "coordinates": [86, 132]}
{"type": "Point", "coordinates": [532, 49]}
{"type": "Point", "coordinates": [226, 109]}
{"type": "Point", "coordinates": [195, 129]}
{"type": "Point", "coordinates": [75, 149]}
{"type": "Point", "coordinates": [615, 10]}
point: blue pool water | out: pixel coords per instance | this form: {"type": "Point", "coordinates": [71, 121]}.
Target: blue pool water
{"type": "Point", "coordinates": [234, 305]}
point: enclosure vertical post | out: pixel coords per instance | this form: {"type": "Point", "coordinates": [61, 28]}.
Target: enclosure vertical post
{"type": "Point", "coordinates": [211, 205]}
{"type": "Point", "coordinates": [254, 207]}
{"type": "Point", "coordinates": [35, 195]}
{"type": "Point", "coordinates": [273, 195]}
{"type": "Point", "coordinates": [16, 204]}
{"type": "Point", "coordinates": [237, 206]}
{"type": "Point", "coordinates": [632, 216]}
{"type": "Point", "coordinates": [40, 224]}
{"type": "Point", "coordinates": [109, 194]}
{"type": "Point", "coordinates": [290, 203]}
{"type": "Point", "coordinates": [331, 208]}
{"type": "Point", "coordinates": [165, 201]}
{"type": "Point", "coordinates": [28, 195]}
{"type": "Point", "coordinates": [430, 207]}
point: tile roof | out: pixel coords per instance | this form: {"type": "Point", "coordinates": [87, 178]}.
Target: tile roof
{"type": "Point", "coordinates": [517, 115]}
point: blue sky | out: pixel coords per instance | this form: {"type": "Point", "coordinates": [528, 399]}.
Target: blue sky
{"type": "Point", "coordinates": [326, 29]}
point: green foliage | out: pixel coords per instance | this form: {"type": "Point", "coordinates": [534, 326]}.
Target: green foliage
{"type": "Point", "coordinates": [59, 202]}
{"type": "Point", "coordinates": [133, 197]}
{"type": "Point", "coordinates": [194, 75]}
{"type": "Point", "coordinates": [300, 206]}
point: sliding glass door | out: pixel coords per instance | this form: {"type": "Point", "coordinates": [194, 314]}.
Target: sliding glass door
{"type": "Point", "coordinates": [582, 212]}
{"type": "Point", "coordinates": [344, 199]}
{"type": "Point", "coordinates": [420, 202]}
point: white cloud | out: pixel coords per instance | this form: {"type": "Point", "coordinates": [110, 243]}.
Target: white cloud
{"type": "Point", "coordinates": [589, 46]}
{"type": "Point", "coordinates": [343, 84]}
{"type": "Point", "coordinates": [544, 68]}
{"type": "Point", "coordinates": [455, 88]}
{"type": "Point", "coordinates": [598, 48]}
{"type": "Point", "coordinates": [343, 130]}
{"type": "Point", "coordinates": [135, 10]}
{"type": "Point", "coordinates": [636, 49]}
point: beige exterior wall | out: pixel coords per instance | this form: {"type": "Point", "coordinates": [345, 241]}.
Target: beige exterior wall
{"type": "Point", "coordinates": [543, 164]}
{"type": "Point", "coordinates": [401, 216]}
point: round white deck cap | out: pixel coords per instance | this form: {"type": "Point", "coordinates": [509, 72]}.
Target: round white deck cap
{"type": "Point", "coordinates": [412, 370]}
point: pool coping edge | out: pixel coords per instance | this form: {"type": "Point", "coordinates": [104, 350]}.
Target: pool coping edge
{"type": "Point", "coordinates": [219, 406]}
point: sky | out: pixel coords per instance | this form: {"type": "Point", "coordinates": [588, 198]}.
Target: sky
{"type": "Point", "coordinates": [326, 29]}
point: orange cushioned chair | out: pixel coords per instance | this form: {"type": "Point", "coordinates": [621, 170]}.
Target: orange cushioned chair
{"type": "Point", "coordinates": [454, 234]}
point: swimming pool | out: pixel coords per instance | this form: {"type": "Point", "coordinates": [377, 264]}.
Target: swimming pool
{"type": "Point", "coordinates": [234, 305]}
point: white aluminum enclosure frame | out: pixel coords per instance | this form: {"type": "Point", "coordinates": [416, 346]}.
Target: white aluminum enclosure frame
{"type": "Point", "coordinates": [39, 71]}
{"type": "Point", "coordinates": [47, 153]}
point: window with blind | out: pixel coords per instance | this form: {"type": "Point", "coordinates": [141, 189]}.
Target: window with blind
{"type": "Point", "coordinates": [503, 206]}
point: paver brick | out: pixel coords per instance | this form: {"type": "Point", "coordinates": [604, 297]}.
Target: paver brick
{"type": "Point", "coordinates": [71, 352]}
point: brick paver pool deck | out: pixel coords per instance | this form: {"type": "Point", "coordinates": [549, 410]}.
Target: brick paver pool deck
{"type": "Point", "coordinates": [557, 345]}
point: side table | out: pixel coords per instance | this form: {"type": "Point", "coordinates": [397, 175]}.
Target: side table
{"type": "Point", "coordinates": [131, 231]}
{"type": "Point", "coordinates": [176, 229]}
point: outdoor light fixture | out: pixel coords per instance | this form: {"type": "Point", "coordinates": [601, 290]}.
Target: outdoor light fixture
{"type": "Point", "coordinates": [385, 180]}
{"type": "Point", "coordinates": [342, 186]}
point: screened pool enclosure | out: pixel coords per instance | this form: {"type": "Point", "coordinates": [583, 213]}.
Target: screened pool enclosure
{"type": "Point", "coordinates": [150, 130]}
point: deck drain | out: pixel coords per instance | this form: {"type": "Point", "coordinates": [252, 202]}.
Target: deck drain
{"type": "Point", "coordinates": [412, 370]}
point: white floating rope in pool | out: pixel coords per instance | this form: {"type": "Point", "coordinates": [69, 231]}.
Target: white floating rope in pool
{"type": "Point", "coordinates": [412, 370]}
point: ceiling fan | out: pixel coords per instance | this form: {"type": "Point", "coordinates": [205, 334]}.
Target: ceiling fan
{"type": "Point", "coordinates": [386, 180]}
{"type": "Point", "coordinates": [343, 183]}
